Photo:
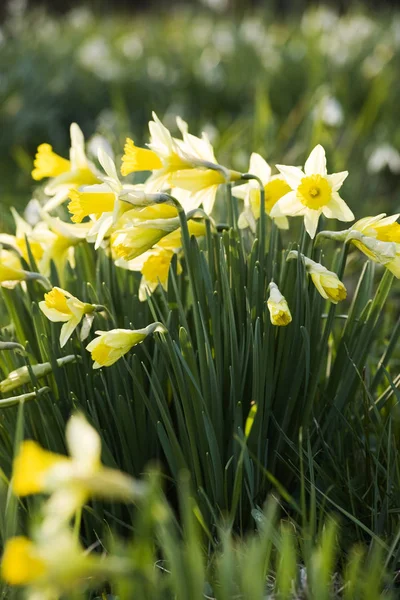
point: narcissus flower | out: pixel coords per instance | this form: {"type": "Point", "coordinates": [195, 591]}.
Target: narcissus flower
{"type": "Point", "coordinates": [110, 346]}
{"type": "Point", "coordinates": [377, 237]}
{"type": "Point", "coordinates": [275, 188]}
{"type": "Point", "coordinates": [64, 174]}
{"type": "Point", "coordinates": [314, 192]}
{"type": "Point", "coordinates": [188, 164]}
{"type": "Point", "coordinates": [24, 232]}
{"type": "Point", "coordinates": [11, 271]}
{"type": "Point", "coordinates": [327, 282]}
{"type": "Point", "coordinates": [51, 565]}
{"type": "Point", "coordinates": [61, 306]}
{"type": "Point", "coordinates": [278, 307]}
{"type": "Point", "coordinates": [139, 229]}
{"type": "Point", "coordinates": [72, 480]}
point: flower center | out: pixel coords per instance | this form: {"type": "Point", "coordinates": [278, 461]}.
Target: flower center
{"type": "Point", "coordinates": [314, 191]}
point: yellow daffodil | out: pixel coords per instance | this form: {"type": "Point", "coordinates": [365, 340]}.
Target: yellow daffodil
{"type": "Point", "coordinates": [23, 232]}
{"type": "Point", "coordinates": [11, 271]}
{"type": "Point", "coordinates": [50, 566]}
{"type": "Point", "coordinates": [187, 164]}
{"type": "Point", "coordinates": [327, 282]}
{"type": "Point", "coordinates": [377, 237]}
{"type": "Point", "coordinates": [313, 192]}
{"type": "Point", "coordinates": [58, 240]}
{"type": "Point", "coordinates": [72, 480]}
{"type": "Point", "coordinates": [140, 229]}
{"type": "Point", "coordinates": [111, 345]}
{"type": "Point", "coordinates": [22, 375]}
{"type": "Point", "coordinates": [154, 264]}
{"type": "Point", "coordinates": [275, 188]}
{"type": "Point", "coordinates": [61, 306]}
{"type": "Point", "coordinates": [278, 307]}
{"type": "Point", "coordinates": [64, 174]}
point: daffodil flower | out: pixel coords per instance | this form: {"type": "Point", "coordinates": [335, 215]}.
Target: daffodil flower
{"type": "Point", "coordinates": [138, 159]}
{"type": "Point", "coordinates": [11, 271]}
{"type": "Point", "coordinates": [139, 229]}
{"type": "Point", "coordinates": [278, 307]}
{"type": "Point", "coordinates": [154, 264]}
{"type": "Point", "coordinates": [275, 187]}
{"type": "Point", "coordinates": [23, 232]}
{"type": "Point", "coordinates": [110, 346]}
{"type": "Point", "coordinates": [314, 192]}
{"type": "Point", "coordinates": [52, 565]}
{"type": "Point", "coordinates": [188, 164]}
{"type": "Point", "coordinates": [64, 174]}
{"type": "Point", "coordinates": [377, 237]}
{"type": "Point", "coordinates": [327, 282]}
{"type": "Point", "coordinates": [72, 480]}
{"type": "Point", "coordinates": [61, 306]}
{"type": "Point", "coordinates": [59, 240]}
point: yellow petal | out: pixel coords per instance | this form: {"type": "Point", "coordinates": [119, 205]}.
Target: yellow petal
{"type": "Point", "coordinates": [138, 159]}
{"type": "Point", "coordinates": [20, 564]}
{"type": "Point", "coordinates": [31, 467]}
{"type": "Point", "coordinates": [48, 164]}
{"type": "Point", "coordinates": [84, 204]}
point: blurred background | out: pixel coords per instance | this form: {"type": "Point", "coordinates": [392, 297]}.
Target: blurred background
{"type": "Point", "coordinates": [274, 76]}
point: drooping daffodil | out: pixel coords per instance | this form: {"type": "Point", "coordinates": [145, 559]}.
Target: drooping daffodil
{"type": "Point", "coordinates": [49, 566]}
{"type": "Point", "coordinates": [313, 192]}
{"type": "Point", "coordinates": [155, 264]}
{"type": "Point", "coordinates": [275, 187]}
{"type": "Point", "coordinates": [327, 282]}
{"type": "Point", "coordinates": [278, 307]}
{"type": "Point", "coordinates": [71, 480]}
{"type": "Point", "coordinates": [110, 346]}
{"type": "Point", "coordinates": [377, 237]}
{"type": "Point", "coordinates": [60, 306]}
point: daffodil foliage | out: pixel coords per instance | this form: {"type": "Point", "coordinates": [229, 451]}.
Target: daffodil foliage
{"type": "Point", "coordinates": [217, 322]}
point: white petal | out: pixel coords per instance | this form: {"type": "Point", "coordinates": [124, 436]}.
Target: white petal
{"type": "Point", "coordinates": [53, 314]}
{"type": "Point", "coordinates": [316, 162]}
{"type": "Point", "coordinates": [338, 209]}
{"type": "Point", "coordinates": [67, 330]}
{"type": "Point", "coordinates": [77, 152]}
{"type": "Point", "coordinates": [260, 167]}
{"type": "Point", "coordinates": [83, 443]}
{"type": "Point", "coordinates": [281, 222]}
{"type": "Point", "coordinates": [206, 197]}
{"type": "Point", "coordinates": [290, 205]}
{"type": "Point", "coordinates": [292, 175]}
{"type": "Point", "coordinates": [311, 219]}
{"type": "Point", "coordinates": [240, 191]}
{"type": "Point", "coordinates": [108, 164]}
{"type": "Point", "coordinates": [336, 179]}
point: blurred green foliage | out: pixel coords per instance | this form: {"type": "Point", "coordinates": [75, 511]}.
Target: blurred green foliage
{"type": "Point", "coordinates": [265, 85]}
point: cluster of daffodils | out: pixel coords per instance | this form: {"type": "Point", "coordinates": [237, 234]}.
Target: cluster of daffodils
{"type": "Point", "coordinates": [143, 226]}
{"type": "Point", "coordinates": [53, 560]}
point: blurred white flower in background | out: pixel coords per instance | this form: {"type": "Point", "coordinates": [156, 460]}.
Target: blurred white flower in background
{"type": "Point", "coordinates": [383, 157]}
{"type": "Point", "coordinates": [131, 46]}
{"type": "Point", "coordinates": [329, 111]}
{"type": "Point", "coordinates": [217, 5]}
